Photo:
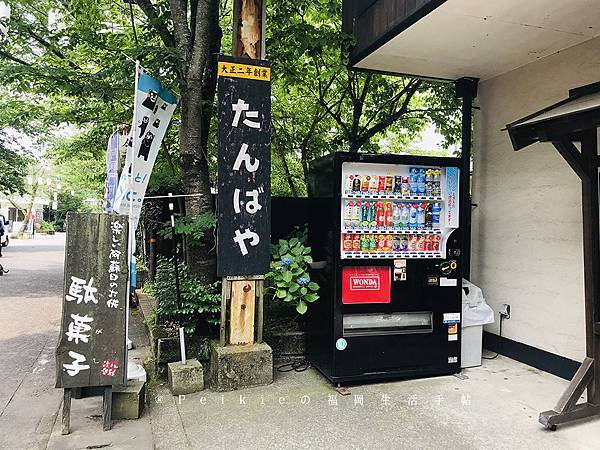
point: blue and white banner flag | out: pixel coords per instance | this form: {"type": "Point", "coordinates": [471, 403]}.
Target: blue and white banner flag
{"type": "Point", "coordinates": [112, 172]}
{"type": "Point", "coordinates": [153, 109]}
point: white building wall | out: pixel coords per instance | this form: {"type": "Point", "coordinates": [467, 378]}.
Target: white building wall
{"type": "Point", "coordinates": [527, 229]}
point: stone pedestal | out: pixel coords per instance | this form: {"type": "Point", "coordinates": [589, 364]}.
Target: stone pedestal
{"type": "Point", "coordinates": [128, 401]}
{"type": "Point", "coordinates": [240, 366]}
{"type": "Point", "coordinates": [185, 378]}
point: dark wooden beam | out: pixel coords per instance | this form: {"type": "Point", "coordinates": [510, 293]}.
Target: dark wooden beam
{"type": "Point", "coordinates": [591, 255]}
{"type": "Point", "coordinates": [572, 156]}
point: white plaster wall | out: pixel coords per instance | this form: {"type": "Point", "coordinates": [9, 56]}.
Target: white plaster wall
{"type": "Point", "coordinates": [527, 230]}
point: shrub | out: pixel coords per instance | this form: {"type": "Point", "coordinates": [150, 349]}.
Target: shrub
{"type": "Point", "coordinates": [289, 276]}
{"type": "Point", "coordinates": [199, 306]}
{"type": "Point", "coordinates": [46, 227]}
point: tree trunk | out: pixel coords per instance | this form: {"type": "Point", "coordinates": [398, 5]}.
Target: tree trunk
{"type": "Point", "coordinates": [196, 110]}
{"type": "Point", "coordinates": [27, 217]}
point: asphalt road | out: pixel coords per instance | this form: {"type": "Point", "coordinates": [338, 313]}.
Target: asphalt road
{"type": "Point", "coordinates": [30, 307]}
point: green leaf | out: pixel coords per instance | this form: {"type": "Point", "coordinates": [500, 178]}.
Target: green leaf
{"type": "Point", "coordinates": [288, 298]}
{"type": "Point", "coordinates": [311, 297]}
{"type": "Point", "coordinates": [301, 307]}
{"type": "Point", "coordinates": [308, 259]}
{"type": "Point", "coordinates": [313, 286]}
{"type": "Point", "coordinates": [303, 290]}
{"type": "Point", "coordinates": [306, 250]}
{"type": "Point", "coordinates": [287, 276]}
{"type": "Point", "coordinates": [293, 242]}
{"type": "Point", "coordinates": [281, 293]}
{"type": "Point", "coordinates": [294, 287]}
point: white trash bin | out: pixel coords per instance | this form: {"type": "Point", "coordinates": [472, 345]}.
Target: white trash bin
{"type": "Point", "coordinates": [475, 314]}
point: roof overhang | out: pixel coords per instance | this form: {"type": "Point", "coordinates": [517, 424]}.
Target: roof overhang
{"type": "Point", "coordinates": [451, 39]}
{"type": "Point", "coordinates": [563, 120]}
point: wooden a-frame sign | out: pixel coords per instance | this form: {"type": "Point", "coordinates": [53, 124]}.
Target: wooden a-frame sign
{"type": "Point", "coordinates": [568, 124]}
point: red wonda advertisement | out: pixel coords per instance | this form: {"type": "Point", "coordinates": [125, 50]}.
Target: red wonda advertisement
{"type": "Point", "coordinates": [366, 285]}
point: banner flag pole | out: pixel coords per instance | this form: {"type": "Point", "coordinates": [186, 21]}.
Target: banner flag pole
{"type": "Point", "coordinates": [131, 240]}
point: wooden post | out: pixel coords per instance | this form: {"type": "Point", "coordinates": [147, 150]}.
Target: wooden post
{"type": "Point", "coordinates": [241, 324]}
{"type": "Point", "coordinates": [591, 256]}
{"type": "Point", "coordinates": [249, 42]}
{"type": "Point", "coordinates": [585, 164]}
{"type": "Point", "coordinates": [259, 310]}
{"type": "Point", "coordinates": [249, 28]}
{"type": "Point", "coordinates": [66, 413]}
{"type": "Point", "coordinates": [107, 408]}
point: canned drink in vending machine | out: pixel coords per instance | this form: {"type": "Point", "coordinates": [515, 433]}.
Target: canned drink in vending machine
{"type": "Point", "coordinates": [373, 183]}
{"type": "Point", "coordinates": [356, 215]}
{"type": "Point", "coordinates": [380, 242]}
{"type": "Point", "coordinates": [356, 242]}
{"type": "Point", "coordinates": [429, 243]}
{"type": "Point", "coordinates": [364, 243]}
{"type": "Point", "coordinates": [366, 182]}
{"type": "Point", "coordinates": [381, 184]}
{"type": "Point", "coordinates": [348, 212]}
{"type": "Point", "coordinates": [403, 244]}
{"type": "Point", "coordinates": [397, 243]}
{"type": "Point", "coordinates": [372, 243]}
{"type": "Point", "coordinates": [389, 246]}
{"type": "Point", "coordinates": [420, 243]}
{"type": "Point", "coordinates": [347, 242]}
{"type": "Point", "coordinates": [405, 186]}
{"type": "Point", "coordinates": [349, 184]}
{"type": "Point", "coordinates": [389, 184]}
{"type": "Point", "coordinates": [397, 185]}
{"type": "Point", "coordinates": [356, 184]}
{"type": "Point", "coordinates": [412, 243]}
{"type": "Point", "coordinates": [436, 243]}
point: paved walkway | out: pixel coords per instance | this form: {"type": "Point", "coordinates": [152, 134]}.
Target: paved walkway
{"type": "Point", "coordinates": [30, 310]}
{"type": "Point", "coordinates": [29, 321]}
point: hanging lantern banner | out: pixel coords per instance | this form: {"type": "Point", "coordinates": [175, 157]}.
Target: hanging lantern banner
{"type": "Point", "coordinates": [154, 107]}
{"type": "Point", "coordinates": [244, 167]}
{"type": "Point", "coordinates": [112, 172]}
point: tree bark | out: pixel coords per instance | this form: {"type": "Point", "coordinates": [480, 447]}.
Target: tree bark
{"type": "Point", "coordinates": [196, 111]}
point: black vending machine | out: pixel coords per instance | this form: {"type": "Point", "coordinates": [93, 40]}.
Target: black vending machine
{"type": "Point", "coordinates": [386, 240]}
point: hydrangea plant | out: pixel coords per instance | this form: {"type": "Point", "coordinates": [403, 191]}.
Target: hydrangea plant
{"type": "Point", "coordinates": [290, 280]}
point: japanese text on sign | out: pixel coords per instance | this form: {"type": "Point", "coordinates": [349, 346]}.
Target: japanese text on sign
{"type": "Point", "coordinates": [92, 341]}
{"type": "Point", "coordinates": [244, 168]}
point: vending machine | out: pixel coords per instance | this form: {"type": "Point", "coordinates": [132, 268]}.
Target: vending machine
{"type": "Point", "coordinates": [386, 240]}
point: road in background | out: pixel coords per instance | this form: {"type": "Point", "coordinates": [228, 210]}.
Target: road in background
{"type": "Point", "coordinates": [30, 307]}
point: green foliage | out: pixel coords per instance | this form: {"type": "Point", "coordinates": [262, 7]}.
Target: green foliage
{"type": "Point", "coordinates": [193, 228]}
{"type": "Point", "coordinates": [68, 202]}
{"type": "Point", "coordinates": [289, 276]}
{"type": "Point", "coordinates": [13, 168]}
{"type": "Point", "coordinates": [198, 302]}
{"type": "Point", "coordinates": [46, 227]}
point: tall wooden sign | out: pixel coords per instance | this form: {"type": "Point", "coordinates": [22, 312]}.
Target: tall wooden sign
{"type": "Point", "coordinates": [91, 347]}
{"type": "Point", "coordinates": [244, 167]}
{"type": "Point", "coordinates": [244, 191]}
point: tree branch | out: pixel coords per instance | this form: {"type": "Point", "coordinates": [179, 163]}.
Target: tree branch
{"type": "Point", "coordinates": [160, 27]}
{"type": "Point", "coordinates": [390, 119]}
{"type": "Point", "coordinates": [12, 58]}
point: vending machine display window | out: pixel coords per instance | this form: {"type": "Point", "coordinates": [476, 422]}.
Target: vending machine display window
{"type": "Point", "coordinates": [397, 210]}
